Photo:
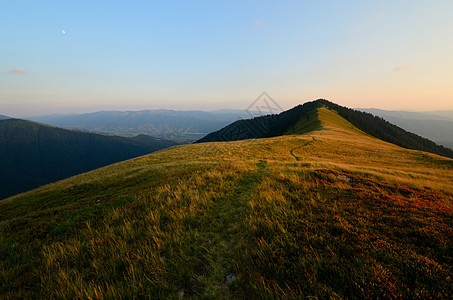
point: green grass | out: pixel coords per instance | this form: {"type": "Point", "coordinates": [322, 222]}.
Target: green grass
{"type": "Point", "coordinates": [333, 213]}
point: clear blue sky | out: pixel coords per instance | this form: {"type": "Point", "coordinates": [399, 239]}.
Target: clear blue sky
{"type": "Point", "coordinates": [77, 56]}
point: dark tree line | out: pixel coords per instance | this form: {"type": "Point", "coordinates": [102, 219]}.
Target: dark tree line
{"type": "Point", "coordinates": [275, 125]}
{"type": "Point", "coordinates": [263, 126]}
{"type": "Point", "coordinates": [382, 129]}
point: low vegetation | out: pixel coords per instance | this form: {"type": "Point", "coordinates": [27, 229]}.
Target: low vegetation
{"type": "Point", "coordinates": [300, 120]}
{"type": "Point", "coordinates": [330, 213]}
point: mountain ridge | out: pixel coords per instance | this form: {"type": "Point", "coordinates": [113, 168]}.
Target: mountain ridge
{"type": "Point", "coordinates": [437, 128]}
{"type": "Point", "coordinates": [274, 125]}
{"type": "Point", "coordinates": [169, 124]}
{"type": "Point", "coordinates": [33, 154]}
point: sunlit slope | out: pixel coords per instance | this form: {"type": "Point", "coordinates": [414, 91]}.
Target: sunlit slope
{"type": "Point", "coordinates": [329, 213]}
{"type": "Point", "coordinates": [337, 143]}
{"type": "Point", "coordinates": [322, 118]}
{"type": "Point", "coordinates": [304, 118]}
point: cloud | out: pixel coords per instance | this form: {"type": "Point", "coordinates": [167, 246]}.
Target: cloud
{"type": "Point", "coordinates": [257, 25]}
{"type": "Point", "coordinates": [403, 68]}
{"type": "Point", "coordinates": [18, 71]}
{"type": "Point", "coordinates": [381, 14]}
{"type": "Point", "coordinates": [356, 29]}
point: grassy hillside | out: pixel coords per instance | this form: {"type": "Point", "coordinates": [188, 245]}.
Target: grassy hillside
{"type": "Point", "coordinates": [33, 154]}
{"type": "Point", "coordinates": [386, 131]}
{"type": "Point", "coordinates": [290, 121]}
{"type": "Point", "coordinates": [435, 130]}
{"type": "Point", "coordinates": [332, 213]}
{"type": "Point", "coordinates": [433, 127]}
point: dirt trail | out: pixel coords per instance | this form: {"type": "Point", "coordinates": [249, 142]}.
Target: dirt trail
{"type": "Point", "coordinates": [298, 147]}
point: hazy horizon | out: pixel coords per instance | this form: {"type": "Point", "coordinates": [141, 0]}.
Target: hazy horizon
{"type": "Point", "coordinates": [125, 109]}
{"type": "Point", "coordinates": [84, 56]}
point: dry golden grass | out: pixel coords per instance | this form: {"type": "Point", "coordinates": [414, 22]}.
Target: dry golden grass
{"type": "Point", "coordinates": [331, 213]}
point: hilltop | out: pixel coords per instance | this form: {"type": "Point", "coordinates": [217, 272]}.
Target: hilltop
{"type": "Point", "coordinates": [324, 210]}
{"type": "Point", "coordinates": [33, 154]}
{"type": "Point", "coordinates": [303, 118]}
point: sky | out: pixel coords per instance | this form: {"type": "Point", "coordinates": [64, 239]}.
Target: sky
{"type": "Point", "coordinates": [82, 56]}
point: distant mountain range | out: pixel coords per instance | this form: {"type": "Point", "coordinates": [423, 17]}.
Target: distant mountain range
{"type": "Point", "coordinates": [444, 113]}
{"type": "Point", "coordinates": [435, 125]}
{"type": "Point", "coordinates": [187, 126]}
{"type": "Point", "coordinates": [3, 117]}
{"type": "Point", "coordinates": [302, 118]}
{"type": "Point", "coordinates": [33, 154]}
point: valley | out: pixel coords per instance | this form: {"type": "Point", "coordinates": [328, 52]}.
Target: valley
{"type": "Point", "coordinates": [33, 154]}
{"type": "Point", "coordinates": [180, 126]}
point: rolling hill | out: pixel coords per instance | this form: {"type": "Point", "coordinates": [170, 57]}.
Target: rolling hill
{"type": "Point", "coordinates": [33, 154]}
{"type": "Point", "coordinates": [323, 210]}
{"type": "Point", "coordinates": [304, 117]}
{"type": "Point", "coordinates": [186, 126]}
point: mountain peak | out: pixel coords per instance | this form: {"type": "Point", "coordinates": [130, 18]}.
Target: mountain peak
{"type": "Point", "coordinates": [322, 114]}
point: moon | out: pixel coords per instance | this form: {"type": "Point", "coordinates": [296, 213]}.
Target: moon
{"type": "Point", "coordinates": [63, 31]}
